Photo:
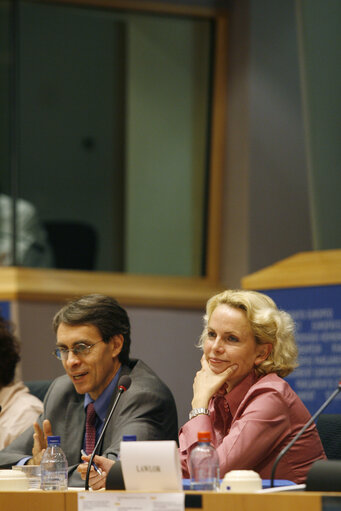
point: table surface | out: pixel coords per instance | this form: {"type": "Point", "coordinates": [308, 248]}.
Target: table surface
{"type": "Point", "coordinates": [205, 501]}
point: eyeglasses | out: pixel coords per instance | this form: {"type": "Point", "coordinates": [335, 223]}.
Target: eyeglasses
{"type": "Point", "coordinates": [80, 350]}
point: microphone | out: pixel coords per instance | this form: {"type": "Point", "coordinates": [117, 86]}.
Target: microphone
{"type": "Point", "coordinates": [300, 433]}
{"type": "Point", "coordinates": [123, 385]}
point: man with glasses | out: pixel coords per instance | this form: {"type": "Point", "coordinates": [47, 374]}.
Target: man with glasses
{"type": "Point", "coordinates": [93, 343]}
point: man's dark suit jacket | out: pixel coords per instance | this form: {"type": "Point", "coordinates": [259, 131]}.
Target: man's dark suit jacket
{"type": "Point", "coordinates": [146, 410]}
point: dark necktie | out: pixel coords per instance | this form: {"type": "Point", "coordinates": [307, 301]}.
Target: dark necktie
{"type": "Point", "coordinates": [90, 430]}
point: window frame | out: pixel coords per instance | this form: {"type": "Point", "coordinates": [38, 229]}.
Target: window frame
{"type": "Point", "coordinates": [155, 290]}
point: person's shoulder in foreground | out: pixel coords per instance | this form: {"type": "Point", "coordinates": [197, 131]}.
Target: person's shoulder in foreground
{"type": "Point", "coordinates": [240, 395]}
{"type": "Point", "coordinates": [19, 408]}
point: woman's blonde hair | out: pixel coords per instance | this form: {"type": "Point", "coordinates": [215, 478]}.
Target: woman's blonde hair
{"type": "Point", "coordinates": [268, 324]}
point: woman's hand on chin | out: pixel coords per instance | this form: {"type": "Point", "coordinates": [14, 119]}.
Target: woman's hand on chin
{"type": "Point", "coordinates": [206, 383]}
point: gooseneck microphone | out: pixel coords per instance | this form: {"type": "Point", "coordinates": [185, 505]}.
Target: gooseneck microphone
{"type": "Point", "coordinates": [123, 385]}
{"type": "Point", "coordinates": [300, 433]}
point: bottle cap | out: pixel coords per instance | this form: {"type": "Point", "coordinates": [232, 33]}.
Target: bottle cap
{"type": "Point", "coordinates": [53, 440]}
{"type": "Point", "coordinates": [129, 438]}
{"type": "Point", "coordinates": [204, 436]}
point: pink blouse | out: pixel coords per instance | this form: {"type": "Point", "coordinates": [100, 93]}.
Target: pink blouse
{"type": "Point", "coordinates": [250, 426]}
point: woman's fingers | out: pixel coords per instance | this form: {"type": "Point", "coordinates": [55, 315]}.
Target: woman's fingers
{"type": "Point", "coordinates": [230, 370]}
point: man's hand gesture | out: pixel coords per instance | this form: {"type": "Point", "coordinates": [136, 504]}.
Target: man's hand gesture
{"type": "Point", "coordinates": [40, 441]}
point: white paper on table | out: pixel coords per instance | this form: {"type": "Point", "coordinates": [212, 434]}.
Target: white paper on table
{"type": "Point", "coordinates": [102, 501]}
{"type": "Point", "coordinates": [277, 489]}
{"type": "Point", "coordinates": [151, 465]}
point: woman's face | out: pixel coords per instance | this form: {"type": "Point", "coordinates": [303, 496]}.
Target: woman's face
{"type": "Point", "coordinates": [230, 341]}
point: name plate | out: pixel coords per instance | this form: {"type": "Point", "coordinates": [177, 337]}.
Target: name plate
{"type": "Point", "coordinates": [151, 466]}
{"type": "Point", "coordinates": [124, 501]}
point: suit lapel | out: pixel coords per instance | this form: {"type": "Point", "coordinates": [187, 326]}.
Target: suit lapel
{"type": "Point", "coordinates": [107, 435]}
{"type": "Point", "coordinates": [74, 429]}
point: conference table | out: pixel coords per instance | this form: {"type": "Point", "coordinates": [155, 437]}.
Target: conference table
{"type": "Point", "coordinates": [194, 501]}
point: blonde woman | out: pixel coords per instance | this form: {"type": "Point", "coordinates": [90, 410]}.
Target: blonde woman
{"type": "Point", "coordinates": [239, 394]}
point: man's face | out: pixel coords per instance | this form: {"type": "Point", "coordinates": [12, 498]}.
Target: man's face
{"type": "Point", "coordinates": [90, 372]}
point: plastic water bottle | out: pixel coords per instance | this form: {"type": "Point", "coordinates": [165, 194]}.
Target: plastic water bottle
{"type": "Point", "coordinates": [204, 464]}
{"type": "Point", "coordinates": [54, 466]}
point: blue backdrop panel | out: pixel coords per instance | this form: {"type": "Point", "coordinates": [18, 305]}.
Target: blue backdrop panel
{"type": "Point", "coordinates": [317, 314]}
{"type": "Point", "coordinates": [5, 310]}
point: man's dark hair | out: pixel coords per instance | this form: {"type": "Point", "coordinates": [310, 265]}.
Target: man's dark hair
{"type": "Point", "coordinates": [101, 311]}
{"type": "Point", "coordinates": [9, 353]}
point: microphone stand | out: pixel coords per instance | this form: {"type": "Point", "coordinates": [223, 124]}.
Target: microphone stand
{"type": "Point", "coordinates": [310, 421]}
{"type": "Point", "coordinates": [121, 389]}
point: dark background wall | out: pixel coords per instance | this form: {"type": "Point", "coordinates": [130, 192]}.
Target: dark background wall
{"type": "Point", "coordinates": [283, 180]}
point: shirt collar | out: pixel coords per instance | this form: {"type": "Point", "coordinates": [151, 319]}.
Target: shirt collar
{"type": "Point", "coordinates": [103, 401]}
{"type": "Point", "coordinates": [238, 392]}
